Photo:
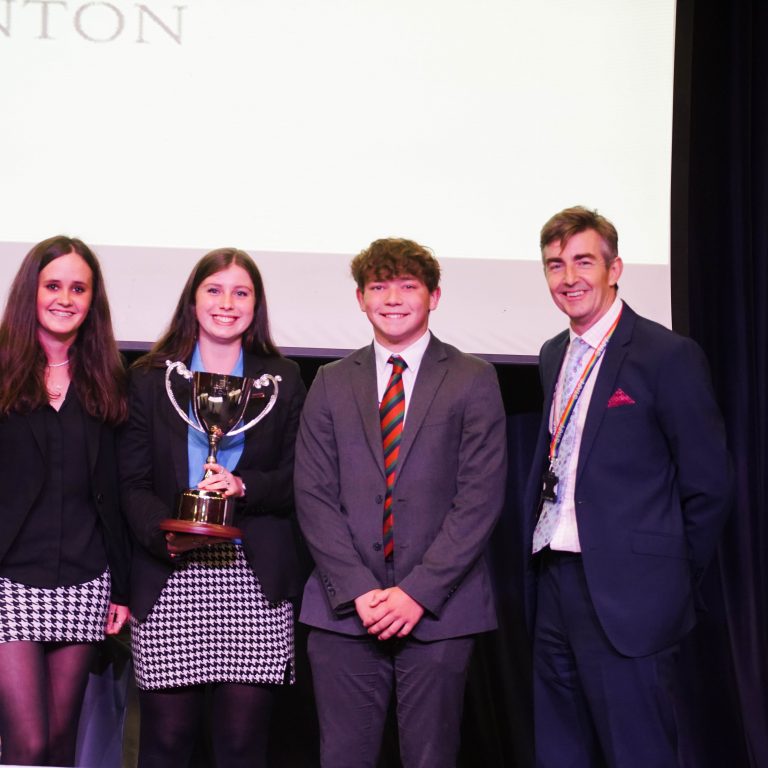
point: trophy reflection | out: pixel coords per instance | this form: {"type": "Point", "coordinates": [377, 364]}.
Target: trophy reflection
{"type": "Point", "coordinates": [218, 405]}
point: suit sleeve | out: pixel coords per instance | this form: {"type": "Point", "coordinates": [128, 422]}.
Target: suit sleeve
{"type": "Point", "coordinates": [477, 503]}
{"type": "Point", "coordinates": [143, 509]}
{"type": "Point", "coordinates": [270, 490]}
{"type": "Point", "coordinates": [694, 430]}
{"type": "Point", "coordinates": [318, 504]}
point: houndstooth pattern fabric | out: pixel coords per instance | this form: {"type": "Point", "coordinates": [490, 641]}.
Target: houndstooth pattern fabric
{"type": "Point", "coordinates": [75, 614]}
{"type": "Point", "coordinates": [211, 624]}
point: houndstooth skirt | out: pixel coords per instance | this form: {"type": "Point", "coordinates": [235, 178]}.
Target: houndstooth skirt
{"type": "Point", "coordinates": [75, 614]}
{"type": "Point", "coordinates": [212, 623]}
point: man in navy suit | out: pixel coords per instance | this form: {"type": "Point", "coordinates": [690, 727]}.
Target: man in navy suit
{"type": "Point", "coordinates": [631, 484]}
{"type": "Point", "coordinates": [397, 520]}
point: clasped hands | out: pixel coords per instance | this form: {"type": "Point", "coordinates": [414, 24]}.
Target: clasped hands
{"type": "Point", "coordinates": [388, 612]}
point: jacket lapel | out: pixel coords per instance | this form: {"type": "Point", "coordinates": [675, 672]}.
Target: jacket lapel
{"type": "Point", "coordinates": [614, 356]}
{"type": "Point", "coordinates": [430, 376]}
{"type": "Point", "coordinates": [366, 395]}
{"type": "Point", "coordinates": [182, 389]}
{"type": "Point", "coordinates": [36, 421]}
{"type": "Point", "coordinates": [551, 363]}
{"type": "Point", "coordinates": [253, 368]}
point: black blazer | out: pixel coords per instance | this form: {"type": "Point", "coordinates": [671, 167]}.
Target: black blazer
{"type": "Point", "coordinates": [23, 445]}
{"type": "Point", "coordinates": [153, 469]}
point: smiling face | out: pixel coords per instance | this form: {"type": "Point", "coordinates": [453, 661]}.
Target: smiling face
{"type": "Point", "coordinates": [224, 306]}
{"type": "Point", "coordinates": [398, 310]}
{"type": "Point", "coordinates": [582, 284]}
{"type": "Point", "coordinates": [64, 295]}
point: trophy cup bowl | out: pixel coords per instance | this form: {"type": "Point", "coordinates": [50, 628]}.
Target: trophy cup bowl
{"type": "Point", "coordinates": [218, 405]}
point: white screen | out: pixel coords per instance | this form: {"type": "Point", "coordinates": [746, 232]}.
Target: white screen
{"type": "Point", "coordinates": [301, 130]}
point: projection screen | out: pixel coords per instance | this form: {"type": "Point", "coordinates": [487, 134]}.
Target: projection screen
{"type": "Point", "coordinates": [301, 130]}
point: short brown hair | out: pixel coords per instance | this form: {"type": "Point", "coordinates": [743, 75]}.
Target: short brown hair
{"type": "Point", "coordinates": [393, 257]}
{"type": "Point", "coordinates": [571, 221]}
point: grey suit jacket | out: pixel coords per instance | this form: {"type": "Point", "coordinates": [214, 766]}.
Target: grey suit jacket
{"type": "Point", "coordinates": [448, 493]}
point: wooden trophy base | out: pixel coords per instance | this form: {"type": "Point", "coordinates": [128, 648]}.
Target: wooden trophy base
{"type": "Point", "coordinates": [201, 529]}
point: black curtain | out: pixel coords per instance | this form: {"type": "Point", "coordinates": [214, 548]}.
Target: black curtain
{"type": "Point", "coordinates": [720, 296]}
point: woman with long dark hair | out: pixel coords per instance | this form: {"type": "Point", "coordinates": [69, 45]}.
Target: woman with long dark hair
{"type": "Point", "coordinates": [212, 617]}
{"type": "Point", "coordinates": [63, 547]}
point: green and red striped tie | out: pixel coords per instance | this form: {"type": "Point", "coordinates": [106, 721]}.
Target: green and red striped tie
{"type": "Point", "coordinates": [391, 414]}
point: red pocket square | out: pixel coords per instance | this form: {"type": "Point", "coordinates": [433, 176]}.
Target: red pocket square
{"type": "Point", "coordinates": [620, 397]}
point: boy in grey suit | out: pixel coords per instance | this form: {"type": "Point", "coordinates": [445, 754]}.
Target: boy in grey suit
{"type": "Point", "coordinates": [400, 473]}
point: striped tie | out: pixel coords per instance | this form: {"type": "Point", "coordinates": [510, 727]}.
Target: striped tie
{"type": "Point", "coordinates": [391, 413]}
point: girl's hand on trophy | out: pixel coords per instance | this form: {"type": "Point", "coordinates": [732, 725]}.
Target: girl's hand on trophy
{"type": "Point", "coordinates": [179, 543]}
{"type": "Point", "coordinates": [222, 480]}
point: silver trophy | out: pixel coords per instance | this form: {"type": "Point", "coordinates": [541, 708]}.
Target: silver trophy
{"type": "Point", "coordinates": [218, 404]}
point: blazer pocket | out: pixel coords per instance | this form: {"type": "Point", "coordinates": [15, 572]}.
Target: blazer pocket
{"type": "Point", "coordinates": [660, 544]}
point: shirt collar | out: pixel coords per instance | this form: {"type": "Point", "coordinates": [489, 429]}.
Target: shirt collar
{"type": "Point", "coordinates": [412, 355]}
{"type": "Point", "coordinates": [594, 335]}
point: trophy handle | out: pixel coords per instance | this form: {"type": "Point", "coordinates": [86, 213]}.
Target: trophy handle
{"type": "Point", "coordinates": [182, 370]}
{"type": "Point", "coordinates": [258, 384]}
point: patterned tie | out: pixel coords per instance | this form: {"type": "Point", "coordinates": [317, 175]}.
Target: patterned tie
{"type": "Point", "coordinates": [550, 511]}
{"type": "Point", "coordinates": [391, 413]}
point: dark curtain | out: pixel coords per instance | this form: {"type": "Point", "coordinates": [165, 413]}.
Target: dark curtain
{"type": "Point", "coordinates": [720, 297]}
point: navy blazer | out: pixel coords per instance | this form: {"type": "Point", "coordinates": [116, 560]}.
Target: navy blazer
{"type": "Point", "coordinates": [653, 481]}
{"type": "Point", "coordinates": [154, 469]}
{"type": "Point", "coordinates": [448, 493]}
{"type": "Point", "coordinates": [23, 445]}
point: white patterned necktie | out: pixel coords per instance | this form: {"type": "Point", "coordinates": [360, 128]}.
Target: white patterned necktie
{"type": "Point", "coordinates": [550, 510]}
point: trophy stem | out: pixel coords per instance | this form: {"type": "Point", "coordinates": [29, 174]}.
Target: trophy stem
{"type": "Point", "coordinates": [214, 437]}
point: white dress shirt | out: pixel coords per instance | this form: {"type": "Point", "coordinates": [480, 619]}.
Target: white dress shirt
{"type": "Point", "coordinates": [412, 356]}
{"type": "Point", "coordinates": [566, 535]}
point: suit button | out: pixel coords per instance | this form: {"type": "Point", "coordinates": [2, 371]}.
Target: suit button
{"type": "Point", "coordinates": [99, 498]}
{"type": "Point", "coordinates": [379, 499]}
{"type": "Point", "coordinates": [377, 546]}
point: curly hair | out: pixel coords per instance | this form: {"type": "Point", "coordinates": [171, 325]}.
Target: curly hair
{"type": "Point", "coordinates": [396, 257]}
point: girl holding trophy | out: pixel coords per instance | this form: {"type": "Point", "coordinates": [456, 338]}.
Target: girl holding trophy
{"type": "Point", "coordinates": [212, 621]}
{"type": "Point", "coordinates": [63, 547]}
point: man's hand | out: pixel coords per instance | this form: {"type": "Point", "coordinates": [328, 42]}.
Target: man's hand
{"type": "Point", "coordinates": [391, 613]}
{"type": "Point", "coordinates": [364, 606]}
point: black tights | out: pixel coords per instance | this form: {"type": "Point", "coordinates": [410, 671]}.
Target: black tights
{"type": "Point", "coordinates": [41, 693]}
{"type": "Point", "coordinates": [172, 719]}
